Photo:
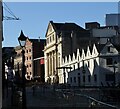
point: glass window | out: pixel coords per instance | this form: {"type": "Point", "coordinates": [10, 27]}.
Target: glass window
{"type": "Point", "coordinates": [71, 79]}
{"type": "Point", "coordinates": [75, 79]}
{"type": "Point", "coordinates": [74, 67]}
{"type": "Point", "coordinates": [84, 78]}
{"type": "Point", "coordinates": [30, 65]}
{"type": "Point", "coordinates": [89, 79]}
{"type": "Point", "coordinates": [78, 65]}
{"type": "Point", "coordinates": [94, 62]}
{"type": "Point", "coordinates": [109, 61]}
{"type": "Point", "coordinates": [95, 77]}
{"type": "Point", "coordinates": [88, 64]}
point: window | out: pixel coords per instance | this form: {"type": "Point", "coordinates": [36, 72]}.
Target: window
{"type": "Point", "coordinates": [109, 49]}
{"type": "Point", "coordinates": [26, 51]}
{"type": "Point", "coordinates": [30, 65]}
{"type": "Point", "coordinates": [84, 78]}
{"type": "Point", "coordinates": [53, 37]}
{"type": "Point", "coordinates": [78, 73]}
{"type": "Point", "coordinates": [30, 57]}
{"type": "Point", "coordinates": [88, 64]}
{"type": "Point", "coordinates": [109, 77]}
{"type": "Point", "coordinates": [29, 50]}
{"type": "Point", "coordinates": [74, 67]}
{"type": "Point", "coordinates": [74, 79]}
{"type": "Point", "coordinates": [27, 58]}
{"type": "Point", "coordinates": [95, 77]}
{"type": "Point", "coordinates": [71, 79]}
{"type": "Point", "coordinates": [109, 61]}
{"type": "Point", "coordinates": [94, 63]}
{"type": "Point", "coordinates": [78, 65]}
{"type": "Point", "coordinates": [50, 38]}
{"type": "Point", "coordinates": [89, 79]}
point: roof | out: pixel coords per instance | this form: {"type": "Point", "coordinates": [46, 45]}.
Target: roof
{"type": "Point", "coordinates": [100, 47]}
{"type": "Point", "coordinates": [66, 26]}
{"type": "Point", "coordinates": [37, 40]}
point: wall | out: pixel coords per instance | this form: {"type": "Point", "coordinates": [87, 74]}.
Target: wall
{"type": "Point", "coordinates": [1, 35]}
{"type": "Point", "coordinates": [103, 32]}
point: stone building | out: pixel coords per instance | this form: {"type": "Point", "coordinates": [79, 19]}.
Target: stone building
{"type": "Point", "coordinates": [62, 39]}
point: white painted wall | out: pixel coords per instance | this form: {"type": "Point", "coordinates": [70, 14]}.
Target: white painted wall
{"type": "Point", "coordinates": [97, 66]}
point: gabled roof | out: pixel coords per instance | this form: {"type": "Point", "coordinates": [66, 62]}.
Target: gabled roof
{"type": "Point", "coordinates": [100, 47]}
{"type": "Point", "coordinates": [37, 40]}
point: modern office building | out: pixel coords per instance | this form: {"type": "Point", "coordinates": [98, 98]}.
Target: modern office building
{"type": "Point", "coordinates": [113, 19]}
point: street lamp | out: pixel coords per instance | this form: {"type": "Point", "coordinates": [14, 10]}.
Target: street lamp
{"type": "Point", "coordinates": [22, 41]}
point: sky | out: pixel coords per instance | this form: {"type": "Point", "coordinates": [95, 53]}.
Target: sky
{"type": "Point", "coordinates": [35, 17]}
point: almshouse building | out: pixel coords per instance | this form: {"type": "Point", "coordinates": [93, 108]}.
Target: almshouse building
{"type": "Point", "coordinates": [96, 65]}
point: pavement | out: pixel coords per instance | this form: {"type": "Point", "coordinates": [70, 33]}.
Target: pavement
{"type": "Point", "coordinates": [44, 97]}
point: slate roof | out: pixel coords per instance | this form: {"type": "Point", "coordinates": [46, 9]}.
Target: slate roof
{"type": "Point", "coordinates": [100, 47]}
{"type": "Point", "coordinates": [66, 26]}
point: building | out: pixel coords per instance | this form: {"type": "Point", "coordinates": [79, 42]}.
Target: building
{"type": "Point", "coordinates": [113, 19]}
{"type": "Point", "coordinates": [18, 60]}
{"type": "Point", "coordinates": [96, 65]}
{"type": "Point", "coordinates": [33, 50]}
{"type": "Point", "coordinates": [39, 69]}
{"type": "Point", "coordinates": [1, 39]}
{"type": "Point", "coordinates": [62, 39]}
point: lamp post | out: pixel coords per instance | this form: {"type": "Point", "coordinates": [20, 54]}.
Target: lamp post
{"type": "Point", "coordinates": [22, 40]}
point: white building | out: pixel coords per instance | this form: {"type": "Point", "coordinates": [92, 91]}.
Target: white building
{"type": "Point", "coordinates": [93, 66]}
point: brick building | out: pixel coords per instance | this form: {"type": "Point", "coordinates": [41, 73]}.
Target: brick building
{"type": "Point", "coordinates": [33, 50]}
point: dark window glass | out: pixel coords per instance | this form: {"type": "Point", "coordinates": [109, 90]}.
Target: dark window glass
{"type": "Point", "coordinates": [89, 79]}
{"type": "Point", "coordinates": [83, 78]}
{"type": "Point", "coordinates": [109, 61]}
{"type": "Point", "coordinates": [75, 79]}
{"type": "Point", "coordinates": [71, 79]}
{"type": "Point", "coordinates": [95, 77]}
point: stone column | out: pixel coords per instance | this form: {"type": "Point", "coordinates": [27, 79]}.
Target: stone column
{"type": "Point", "coordinates": [47, 64]}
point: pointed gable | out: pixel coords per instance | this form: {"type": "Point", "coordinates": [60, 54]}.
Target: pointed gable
{"type": "Point", "coordinates": [95, 51]}
{"type": "Point", "coordinates": [83, 54]}
{"type": "Point", "coordinates": [88, 54]}
{"type": "Point", "coordinates": [78, 55]}
{"type": "Point", "coordinates": [73, 59]}
{"type": "Point", "coordinates": [109, 48]}
{"type": "Point", "coordinates": [50, 28]}
{"type": "Point", "coordinates": [70, 59]}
